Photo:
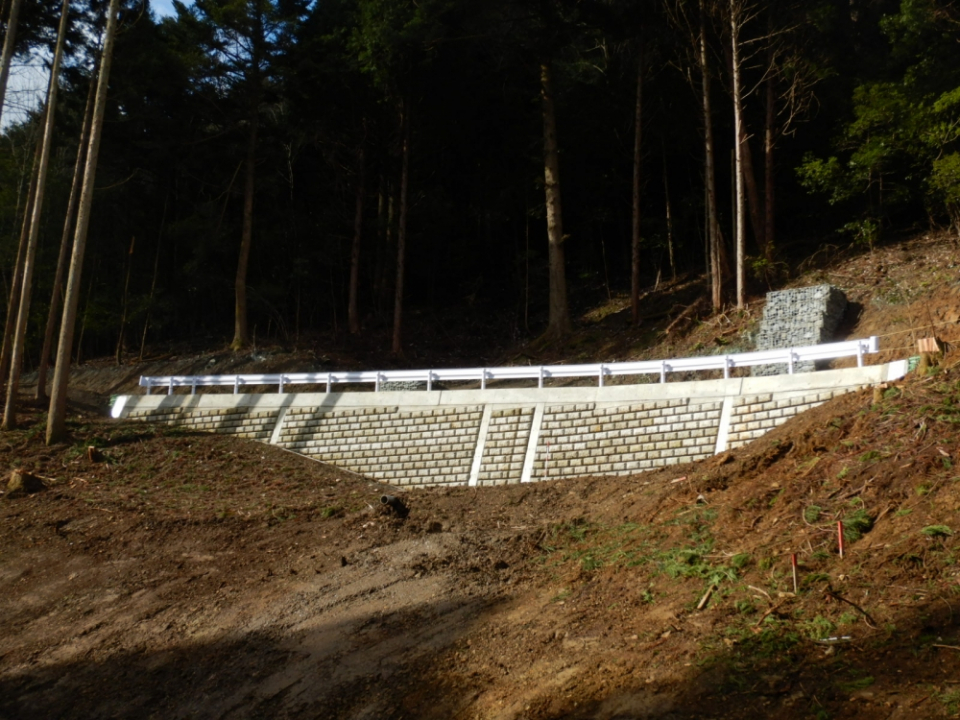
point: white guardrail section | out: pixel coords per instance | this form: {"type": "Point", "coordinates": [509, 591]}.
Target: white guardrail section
{"type": "Point", "coordinates": [790, 357]}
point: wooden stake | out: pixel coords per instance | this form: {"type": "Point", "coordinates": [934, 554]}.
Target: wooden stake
{"type": "Point", "coordinates": [793, 562]}
{"type": "Point", "coordinates": [706, 597]}
{"type": "Point", "coordinates": [840, 537]}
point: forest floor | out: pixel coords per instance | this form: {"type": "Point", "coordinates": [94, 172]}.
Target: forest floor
{"type": "Point", "coordinates": [169, 574]}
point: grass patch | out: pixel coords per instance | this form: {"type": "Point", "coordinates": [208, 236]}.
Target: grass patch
{"type": "Point", "coordinates": [817, 628]}
{"type": "Point", "coordinates": [851, 686]}
{"type": "Point", "coordinates": [595, 546]}
{"type": "Point", "coordinates": [857, 524]}
{"type": "Point", "coordinates": [950, 700]}
{"type": "Point", "coordinates": [937, 531]}
{"type": "Point", "coordinates": [812, 513]}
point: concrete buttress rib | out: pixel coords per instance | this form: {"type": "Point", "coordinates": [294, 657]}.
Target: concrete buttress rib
{"type": "Point", "coordinates": [723, 431]}
{"type": "Point", "coordinates": [527, 474]}
{"type": "Point", "coordinates": [275, 435]}
{"type": "Point", "coordinates": [481, 441]}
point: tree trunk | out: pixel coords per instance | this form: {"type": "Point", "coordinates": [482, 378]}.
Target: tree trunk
{"type": "Point", "coordinates": [558, 323]}
{"type": "Point", "coordinates": [378, 272]}
{"type": "Point", "coordinates": [388, 242]}
{"type": "Point", "coordinates": [769, 140]}
{"type": "Point", "coordinates": [397, 346]}
{"type": "Point", "coordinates": [353, 317]}
{"type": "Point", "coordinates": [13, 301]}
{"type": "Point", "coordinates": [637, 177]}
{"type": "Point", "coordinates": [57, 416]}
{"type": "Point", "coordinates": [738, 150]}
{"type": "Point", "coordinates": [4, 12]}
{"type": "Point", "coordinates": [153, 283]}
{"type": "Point", "coordinates": [713, 230]}
{"type": "Point", "coordinates": [6, 55]}
{"type": "Point", "coordinates": [753, 194]}
{"type": "Point", "coordinates": [121, 334]}
{"type": "Point", "coordinates": [64, 248]}
{"type": "Point", "coordinates": [669, 214]}
{"type": "Point", "coordinates": [29, 260]}
{"type": "Point", "coordinates": [241, 332]}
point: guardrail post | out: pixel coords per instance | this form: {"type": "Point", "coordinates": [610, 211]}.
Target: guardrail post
{"type": "Point", "coordinates": [170, 387]}
{"type": "Point", "coordinates": [280, 388]}
{"type": "Point", "coordinates": [376, 383]}
{"type": "Point", "coordinates": [601, 375]}
{"type": "Point", "coordinates": [193, 386]}
{"type": "Point", "coordinates": [790, 361]}
{"type": "Point", "coordinates": [726, 367]}
{"type": "Point", "coordinates": [149, 385]}
{"type": "Point", "coordinates": [236, 384]}
{"type": "Point", "coordinates": [540, 379]}
{"type": "Point", "coordinates": [663, 371]}
{"type": "Point", "coordinates": [429, 380]}
{"type": "Point", "coordinates": [859, 354]}
{"type": "Point", "coordinates": [329, 382]}
{"type": "Point", "coordinates": [483, 379]}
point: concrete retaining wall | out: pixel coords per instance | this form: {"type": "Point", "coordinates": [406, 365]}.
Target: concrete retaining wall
{"type": "Point", "coordinates": [493, 437]}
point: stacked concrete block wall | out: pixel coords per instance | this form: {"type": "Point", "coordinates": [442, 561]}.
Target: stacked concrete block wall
{"type": "Point", "coordinates": [403, 447]}
{"type": "Point", "coordinates": [491, 437]}
{"type": "Point", "coordinates": [756, 415]}
{"type": "Point", "coordinates": [505, 446]}
{"type": "Point", "coordinates": [796, 318]}
{"type": "Point", "coordinates": [580, 440]}
{"type": "Point", "coordinates": [242, 422]}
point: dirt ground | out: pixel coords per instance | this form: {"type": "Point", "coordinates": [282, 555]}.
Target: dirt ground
{"type": "Point", "coordinates": [166, 574]}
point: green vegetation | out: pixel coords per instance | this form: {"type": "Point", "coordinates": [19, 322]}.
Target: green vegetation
{"type": "Point", "coordinates": [856, 524]}
{"type": "Point", "coordinates": [850, 686]}
{"type": "Point", "coordinates": [937, 531]}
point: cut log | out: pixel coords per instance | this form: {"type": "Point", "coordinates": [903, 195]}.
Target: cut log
{"type": "Point", "coordinates": [23, 483]}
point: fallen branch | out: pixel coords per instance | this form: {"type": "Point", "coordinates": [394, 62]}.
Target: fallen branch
{"type": "Point", "coordinates": [769, 611]}
{"type": "Point", "coordinates": [866, 615]}
{"type": "Point", "coordinates": [706, 597]}
{"type": "Point", "coordinates": [691, 309]}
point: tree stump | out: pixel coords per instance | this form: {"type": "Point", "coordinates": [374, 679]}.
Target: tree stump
{"type": "Point", "coordinates": [23, 483]}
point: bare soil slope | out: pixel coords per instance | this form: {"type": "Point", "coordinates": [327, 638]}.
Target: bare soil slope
{"type": "Point", "coordinates": [194, 576]}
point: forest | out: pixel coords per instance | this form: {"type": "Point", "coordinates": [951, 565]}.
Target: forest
{"type": "Point", "coordinates": [244, 170]}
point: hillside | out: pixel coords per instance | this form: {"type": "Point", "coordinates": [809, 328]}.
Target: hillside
{"type": "Point", "coordinates": [901, 291]}
{"type": "Point", "coordinates": [170, 574]}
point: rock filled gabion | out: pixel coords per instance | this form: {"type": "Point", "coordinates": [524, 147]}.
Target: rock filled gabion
{"type": "Point", "coordinates": [799, 317]}
{"type": "Point", "coordinates": [409, 385]}
{"type": "Point", "coordinates": [402, 385]}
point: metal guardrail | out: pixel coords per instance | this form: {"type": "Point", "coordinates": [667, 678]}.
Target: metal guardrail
{"type": "Point", "coordinates": [789, 357]}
